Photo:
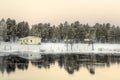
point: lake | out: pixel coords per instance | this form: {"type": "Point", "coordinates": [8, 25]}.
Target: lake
{"type": "Point", "coordinates": [61, 67]}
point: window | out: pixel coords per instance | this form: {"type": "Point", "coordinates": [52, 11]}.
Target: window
{"type": "Point", "coordinates": [30, 40]}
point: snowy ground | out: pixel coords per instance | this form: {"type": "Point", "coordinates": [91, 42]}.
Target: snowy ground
{"type": "Point", "coordinates": [35, 51]}
{"type": "Point", "coordinates": [55, 48]}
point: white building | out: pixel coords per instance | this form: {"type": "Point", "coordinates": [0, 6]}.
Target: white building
{"type": "Point", "coordinates": [30, 40]}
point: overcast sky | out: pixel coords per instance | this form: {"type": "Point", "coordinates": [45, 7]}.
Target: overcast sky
{"type": "Point", "coordinates": [57, 11]}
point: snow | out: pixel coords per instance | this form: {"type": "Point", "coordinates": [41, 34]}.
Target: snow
{"type": "Point", "coordinates": [55, 48]}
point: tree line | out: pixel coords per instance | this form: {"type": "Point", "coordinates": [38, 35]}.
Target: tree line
{"type": "Point", "coordinates": [76, 32]}
{"type": "Point", "coordinates": [11, 31]}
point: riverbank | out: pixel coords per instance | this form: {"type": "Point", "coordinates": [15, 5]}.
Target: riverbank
{"type": "Point", "coordinates": [60, 48]}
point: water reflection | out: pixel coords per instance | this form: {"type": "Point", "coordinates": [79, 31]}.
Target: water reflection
{"type": "Point", "coordinates": [69, 62]}
{"type": "Point", "coordinates": [73, 62]}
{"type": "Point", "coordinates": [10, 63]}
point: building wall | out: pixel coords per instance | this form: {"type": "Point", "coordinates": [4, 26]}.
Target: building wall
{"type": "Point", "coordinates": [30, 41]}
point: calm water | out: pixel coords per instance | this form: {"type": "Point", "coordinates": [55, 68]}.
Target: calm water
{"type": "Point", "coordinates": [61, 67]}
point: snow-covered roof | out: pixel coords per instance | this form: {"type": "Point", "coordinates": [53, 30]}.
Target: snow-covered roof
{"type": "Point", "coordinates": [29, 37]}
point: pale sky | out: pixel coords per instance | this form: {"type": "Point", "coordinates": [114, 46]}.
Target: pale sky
{"type": "Point", "coordinates": [57, 11]}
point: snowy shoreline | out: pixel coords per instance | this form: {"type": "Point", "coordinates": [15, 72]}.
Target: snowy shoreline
{"type": "Point", "coordinates": [57, 48]}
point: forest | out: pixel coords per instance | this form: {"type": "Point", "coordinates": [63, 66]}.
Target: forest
{"type": "Point", "coordinates": [10, 31]}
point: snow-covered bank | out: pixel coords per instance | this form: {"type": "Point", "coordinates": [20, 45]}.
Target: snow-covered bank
{"type": "Point", "coordinates": [55, 48]}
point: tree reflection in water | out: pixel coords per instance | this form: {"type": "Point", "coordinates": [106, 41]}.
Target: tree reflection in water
{"type": "Point", "coordinates": [10, 63]}
{"type": "Point", "coordinates": [70, 62]}
{"type": "Point", "coordinates": [73, 62]}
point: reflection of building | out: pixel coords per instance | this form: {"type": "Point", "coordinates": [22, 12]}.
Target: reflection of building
{"type": "Point", "coordinates": [70, 62]}
{"type": "Point", "coordinates": [32, 40]}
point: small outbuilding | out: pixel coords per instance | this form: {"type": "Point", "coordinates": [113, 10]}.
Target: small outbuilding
{"type": "Point", "coordinates": [30, 40]}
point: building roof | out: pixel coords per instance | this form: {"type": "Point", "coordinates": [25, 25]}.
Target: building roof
{"type": "Point", "coordinates": [29, 37]}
